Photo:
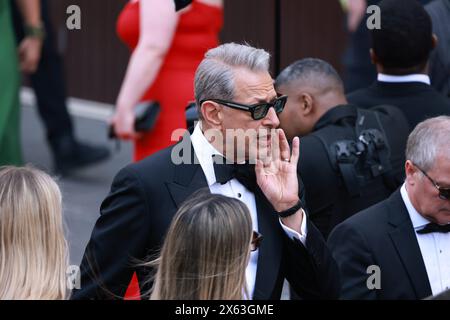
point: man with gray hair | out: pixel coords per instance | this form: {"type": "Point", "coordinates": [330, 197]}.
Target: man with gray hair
{"type": "Point", "coordinates": [400, 248]}
{"type": "Point", "coordinates": [235, 94]}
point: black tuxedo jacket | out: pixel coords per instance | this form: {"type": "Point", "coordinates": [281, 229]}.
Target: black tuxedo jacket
{"type": "Point", "coordinates": [417, 100]}
{"type": "Point", "coordinates": [138, 211]}
{"type": "Point", "coordinates": [382, 235]}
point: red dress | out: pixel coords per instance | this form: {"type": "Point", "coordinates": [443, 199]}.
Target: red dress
{"type": "Point", "coordinates": [197, 31]}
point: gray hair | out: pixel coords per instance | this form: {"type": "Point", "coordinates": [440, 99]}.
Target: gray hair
{"type": "Point", "coordinates": [314, 72]}
{"type": "Point", "coordinates": [429, 139]}
{"type": "Point", "coordinates": [214, 78]}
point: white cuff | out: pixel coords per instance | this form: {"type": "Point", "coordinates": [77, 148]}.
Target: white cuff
{"type": "Point", "coordinates": [294, 234]}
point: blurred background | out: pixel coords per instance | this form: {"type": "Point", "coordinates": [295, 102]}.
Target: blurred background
{"type": "Point", "coordinates": [95, 59]}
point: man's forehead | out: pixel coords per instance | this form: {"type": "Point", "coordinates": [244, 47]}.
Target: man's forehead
{"type": "Point", "coordinates": [258, 90]}
{"type": "Point", "coordinates": [258, 85]}
{"type": "Point", "coordinates": [441, 169]}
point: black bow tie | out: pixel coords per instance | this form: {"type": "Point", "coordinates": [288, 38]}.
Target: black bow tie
{"type": "Point", "coordinates": [244, 173]}
{"type": "Point", "coordinates": [434, 227]}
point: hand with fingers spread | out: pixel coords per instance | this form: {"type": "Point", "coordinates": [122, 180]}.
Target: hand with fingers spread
{"type": "Point", "coordinates": [277, 178]}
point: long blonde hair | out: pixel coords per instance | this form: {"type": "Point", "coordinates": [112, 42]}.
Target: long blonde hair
{"type": "Point", "coordinates": [33, 249]}
{"type": "Point", "coordinates": [206, 251]}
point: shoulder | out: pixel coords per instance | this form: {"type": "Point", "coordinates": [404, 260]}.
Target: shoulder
{"type": "Point", "coordinates": [440, 99]}
{"type": "Point", "coordinates": [310, 142]}
{"type": "Point", "coordinates": [388, 110]}
{"type": "Point", "coordinates": [151, 170]}
{"type": "Point", "coordinates": [162, 160]}
{"type": "Point", "coordinates": [313, 150]}
{"type": "Point", "coordinates": [436, 102]}
{"type": "Point", "coordinates": [315, 165]}
{"type": "Point", "coordinates": [368, 223]}
{"type": "Point", "coordinates": [392, 115]}
{"type": "Point", "coordinates": [360, 97]}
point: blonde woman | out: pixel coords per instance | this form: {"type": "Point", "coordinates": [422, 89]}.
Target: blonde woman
{"type": "Point", "coordinates": [33, 250]}
{"type": "Point", "coordinates": [206, 251]}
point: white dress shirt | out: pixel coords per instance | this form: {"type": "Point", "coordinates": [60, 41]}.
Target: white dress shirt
{"type": "Point", "coordinates": [416, 77]}
{"type": "Point", "coordinates": [234, 189]}
{"type": "Point", "coordinates": [435, 248]}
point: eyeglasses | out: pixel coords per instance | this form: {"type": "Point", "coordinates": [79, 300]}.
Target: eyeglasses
{"type": "Point", "coordinates": [259, 110]}
{"type": "Point", "coordinates": [256, 241]}
{"type": "Point", "coordinates": [444, 193]}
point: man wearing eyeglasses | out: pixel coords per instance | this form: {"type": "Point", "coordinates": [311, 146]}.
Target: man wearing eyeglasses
{"type": "Point", "coordinates": [235, 150]}
{"type": "Point", "coordinates": [400, 248]}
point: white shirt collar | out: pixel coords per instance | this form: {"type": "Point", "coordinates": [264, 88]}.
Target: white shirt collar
{"type": "Point", "coordinates": [407, 78]}
{"type": "Point", "coordinates": [204, 152]}
{"type": "Point", "coordinates": [417, 219]}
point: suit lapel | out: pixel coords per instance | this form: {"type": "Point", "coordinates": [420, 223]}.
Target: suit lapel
{"type": "Point", "coordinates": [188, 177]}
{"type": "Point", "coordinates": [405, 242]}
{"type": "Point", "coordinates": [270, 251]}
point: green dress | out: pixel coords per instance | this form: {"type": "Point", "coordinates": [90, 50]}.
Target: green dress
{"type": "Point", "coordinates": [10, 151]}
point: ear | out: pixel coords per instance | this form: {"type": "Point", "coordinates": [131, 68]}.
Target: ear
{"type": "Point", "coordinates": [212, 113]}
{"type": "Point", "coordinates": [373, 56]}
{"type": "Point", "coordinates": [411, 173]}
{"type": "Point", "coordinates": [306, 103]}
{"type": "Point", "coordinates": [434, 40]}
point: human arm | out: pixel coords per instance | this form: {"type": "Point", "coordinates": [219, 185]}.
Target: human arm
{"type": "Point", "coordinates": [355, 10]}
{"type": "Point", "coordinates": [119, 238]}
{"type": "Point", "coordinates": [308, 264]}
{"type": "Point", "coordinates": [157, 28]}
{"type": "Point", "coordinates": [350, 250]}
{"type": "Point", "coordinates": [31, 46]}
{"type": "Point", "coordinates": [278, 179]}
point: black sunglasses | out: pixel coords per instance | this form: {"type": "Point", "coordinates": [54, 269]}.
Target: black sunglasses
{"type": "Point", "coordinates": [444, 193]}
{"type": "Point", "coordinates": [256, 240]}
{"type": "Point", "coordinates": [259, 110]}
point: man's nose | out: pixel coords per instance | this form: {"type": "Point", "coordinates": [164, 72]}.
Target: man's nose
{"type": "Point", "coordinates": [271, 120]}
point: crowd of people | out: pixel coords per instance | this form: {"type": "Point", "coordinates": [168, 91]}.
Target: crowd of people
{"type": "Point", "coordinates": [345, 196]}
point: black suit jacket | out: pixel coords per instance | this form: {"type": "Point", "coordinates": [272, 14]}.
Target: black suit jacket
{"type": "Point", "coordinates": [138, 211]}
{"type": "Point", "coordinates": [382, 235]}
{"type": "Point", "coordinates": [328, 200]}
{"type": "Point", "coordinates": [417, 100]}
